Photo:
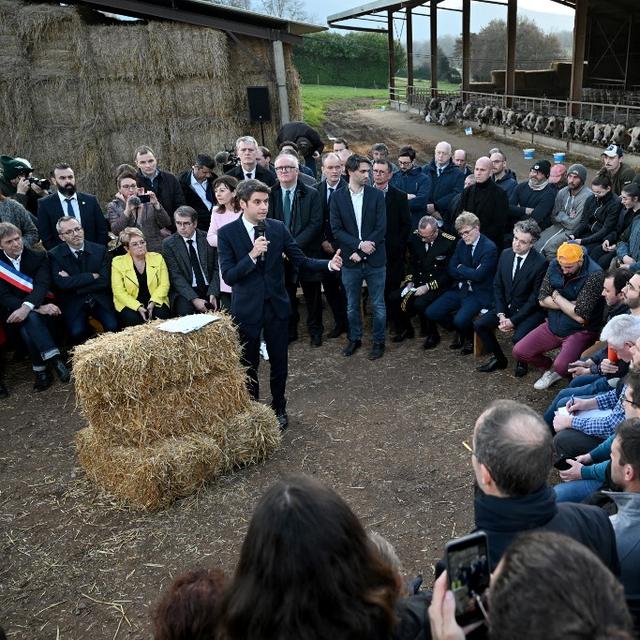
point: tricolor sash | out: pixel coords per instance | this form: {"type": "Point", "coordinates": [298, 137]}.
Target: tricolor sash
{"type": "Point", "coordinates": [15, 278]}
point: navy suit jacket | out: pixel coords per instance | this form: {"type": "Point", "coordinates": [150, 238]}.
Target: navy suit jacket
{"type": "Point", "coordinates": [373, 228]}
{"type": "Point", "coordinates": [479, 272]}
{"type": "Point", "coordinates": [72, 291]}
{"type": "Point", "coordinates": [93, 221]}
{"type": "Point", "coordinates": [517, 297]}
{"type": "Point", "coordinates": [254, 283]}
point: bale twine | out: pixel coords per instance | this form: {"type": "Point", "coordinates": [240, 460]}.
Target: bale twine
{"type": "Point", "coordinates": [167, 412]}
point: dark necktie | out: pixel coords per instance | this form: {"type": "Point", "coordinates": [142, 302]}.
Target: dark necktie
{"type": "Point", "coordinates": [195, 265]}
{"type": "Point", "coordinates": [469, 255]}
{"type": "Point", "coordinates": [70, 211]}
{"type": "Point", "coordinates": [287, 208]}
{"type": "Point", "coordinates": [518, 265]}
{"type": "Point", "coordinates": [249, 175]}
{"type": "Point", "coordinates": [330, 191]}
{"type": "Point", "coordinates": [79, 254]}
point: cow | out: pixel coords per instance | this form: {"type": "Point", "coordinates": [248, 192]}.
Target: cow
{"type": "Point", "coordinates": [433, 109]}
{"type": "Point", "coordinates": [598, 131]}
{"type": "Point", "coordinates": [483, 115]}
{"type": "Point", "coordinates": [578, 129]}
{"type": "Point", "coordinates": [620, 136]}
{"type": "Point", "coordinates": [634, 138]}
{"type": "Point", "coordinates": [587, 131]}
{"type": "Point", "coordinates": [447, 109]}
{"type": "Point", "coordinates": [469, 111]}
{"type": "Point", "coordinates": [554, 127]}
{"type": "Point", "coordinates": [529, 120]}
{"type": "Point", "coordinates": [540, 123]}
{"type": "Point", "coordinates": [569, 127]}
{"type": "Point", "coordinates": [496, 115]}
{"type": "Point", "coordinates": [607, 132]}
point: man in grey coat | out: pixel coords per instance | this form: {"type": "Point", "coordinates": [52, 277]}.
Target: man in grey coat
{"type": "Point", "coordinates": [567, 212]}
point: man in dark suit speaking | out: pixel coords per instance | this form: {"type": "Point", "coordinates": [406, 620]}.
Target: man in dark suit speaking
{"type": "Point", "coordinates": [515, 307]}
{"type": "Point", "coordinates": [251, 253]}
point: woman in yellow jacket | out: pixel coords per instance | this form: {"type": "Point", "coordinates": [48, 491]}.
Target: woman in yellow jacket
{"type": "Point", "coordinates": [140, 281]}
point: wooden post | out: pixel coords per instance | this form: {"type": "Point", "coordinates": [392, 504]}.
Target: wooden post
{"type": "Point", "coordinates": [409, 53]}
{"type": "Point", "coordinates": [510, 75]}
{"type": "Point", "coordinates": [433, 19]}
{"type": "Point", "coordinates": [466, 46]}
{"type": "Point", "coordinates": [392, 56]}
{"type": "Point", "coordinates": [579, 40]}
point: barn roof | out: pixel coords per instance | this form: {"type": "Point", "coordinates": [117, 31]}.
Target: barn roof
{"type": "Point", "coordinates": [205, 13]}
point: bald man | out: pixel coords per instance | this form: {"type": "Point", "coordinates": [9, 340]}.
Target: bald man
{"type": "Point", "coordinates": [488, 201]}
{"type": "Point", "coordinates": [446, 179]}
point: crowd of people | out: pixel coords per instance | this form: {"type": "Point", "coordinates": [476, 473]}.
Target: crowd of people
{"type": "Point", "coordinates": [546, 263]}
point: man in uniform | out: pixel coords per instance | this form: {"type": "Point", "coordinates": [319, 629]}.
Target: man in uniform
{"type": "Point", "coordinates": [429, 253]}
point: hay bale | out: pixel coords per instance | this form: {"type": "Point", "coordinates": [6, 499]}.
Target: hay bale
{"type": "Point", "coordinates": [153, 476]}
{"type": "Point", "coordinates": [125, 382]}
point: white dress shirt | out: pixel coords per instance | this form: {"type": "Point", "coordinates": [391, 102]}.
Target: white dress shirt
{"type": "Point", "coordinates": [357, 199]}
{"type": "Point", "coordinates": [74, 205]}
{"type": "Point", "coordinates": [195, 246]}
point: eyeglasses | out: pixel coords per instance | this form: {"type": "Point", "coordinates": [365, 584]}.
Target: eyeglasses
{"type": "Point", "coordinates": [465, 233]}
{"type": "Point", "coordinates": [73, 231]}
{"type": "Point", "coordinates": [139, 243]}
{"type": "Point", "coordinates": [631, 402]}
{"type": "Point", "coordinates": [286, 169]}
{"type": "Point", "coordinates": [404, 163]}
{"type": "Point", "coordinates": [129, 187]}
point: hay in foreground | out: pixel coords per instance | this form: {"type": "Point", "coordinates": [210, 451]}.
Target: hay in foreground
{"type": "Point", "coordinates": [152, 477]}
{"type": "Point", "coordinates": [142, 384]}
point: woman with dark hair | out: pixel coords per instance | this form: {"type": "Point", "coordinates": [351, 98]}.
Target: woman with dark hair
{"type": "Point", "coordinates": [227, 210]}
{"type": "Point", "coordinates": [187, 610]}
{"type": "Point", "coordinates": [628, 246]}
{"type": "Point", "coordinates": [307, 571]}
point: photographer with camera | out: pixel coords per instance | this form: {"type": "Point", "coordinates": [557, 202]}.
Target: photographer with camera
{"type": "Point", "coordinates": [18, 183]}
{"type": "Point", "coordinates": [133, 206]}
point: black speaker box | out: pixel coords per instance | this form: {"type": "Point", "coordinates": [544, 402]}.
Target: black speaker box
{"type": "Point", "coordinates": [259, 106]}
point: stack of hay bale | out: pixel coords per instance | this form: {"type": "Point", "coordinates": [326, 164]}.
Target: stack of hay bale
{"type": "Point", "coordinates": [166, 411]}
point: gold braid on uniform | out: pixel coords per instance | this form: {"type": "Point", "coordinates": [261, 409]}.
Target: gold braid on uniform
{"type": "Point", "coordinates": [405, 300]}
{"type": "Point", "coordinates": [407, 279]}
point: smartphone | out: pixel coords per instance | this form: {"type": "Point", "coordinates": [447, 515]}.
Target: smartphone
{"type": "Point", "coordinates": [612, 355]}
{"type": "Point", "coordinates": [468, 574]}
{"type": "Point", "coordinates": [144, 198]}
{"type": "Point", "coordinates": [562, 465]}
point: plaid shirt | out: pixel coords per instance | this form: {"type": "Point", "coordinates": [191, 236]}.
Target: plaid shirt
{"type": "Point", "coordinates": [603, 426]}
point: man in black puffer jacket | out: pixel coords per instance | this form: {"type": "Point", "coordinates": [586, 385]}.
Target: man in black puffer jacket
{"type": "Point", "coordinates": [535, 197]}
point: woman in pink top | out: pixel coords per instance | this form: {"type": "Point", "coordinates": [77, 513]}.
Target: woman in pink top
{"type": "Point", "coordinates": [228, 210]}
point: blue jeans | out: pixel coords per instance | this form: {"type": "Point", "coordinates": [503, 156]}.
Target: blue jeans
{"type": "Point", "coordinates": [78, 325]}
{"type": "Point", "coordinates": [352, 279]}
{"type": "Point", "coordinates": [580, 387]}
{"type": "Point", "coordinates": [575, 490]}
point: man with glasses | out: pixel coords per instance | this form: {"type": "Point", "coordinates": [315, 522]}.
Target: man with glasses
{"type": "Point", "coordinates": [197, 187]}
{"type": "Point", "coordinates": [299, 207]}
{"type": "Point", "coordinates": [515, 310]}
{"type": "Point", "coordinates": [413, 182]}
{"type": "Point", "coordinates": [429, 252]}
{"type": "Point", "coordinates": [511, 456]}
{"type": "Point", "coordinates": [472, 268]}
{"type": "Point", "coordinates": [80, 274]}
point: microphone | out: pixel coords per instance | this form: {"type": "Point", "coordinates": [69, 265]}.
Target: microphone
{"type": "Point", "coordinates": [260, 230]}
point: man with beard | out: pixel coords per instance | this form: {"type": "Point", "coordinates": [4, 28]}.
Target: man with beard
{"type": "Point", "coordinates": [619, 173]}
{"type": "Point", "coordinates": [69, 202]}
{"type": "Point", "coordinates": [534, 198]}
{"type": "Point", "coordinates": [488, 201]}
{"type": "Point", "coordinates": [567, 211]}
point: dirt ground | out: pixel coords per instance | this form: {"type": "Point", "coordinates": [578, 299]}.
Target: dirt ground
{"type": "Point", "coordinates": [386, 435]}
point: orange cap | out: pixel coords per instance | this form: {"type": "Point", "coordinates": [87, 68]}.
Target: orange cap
{"type": "Point", "coordinates": [569, 253]}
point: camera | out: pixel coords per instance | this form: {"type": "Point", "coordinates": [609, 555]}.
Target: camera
{"type": "Point", "coordinates": [135, 201]}
{"type": "Point", "coordinates": [43, 183]}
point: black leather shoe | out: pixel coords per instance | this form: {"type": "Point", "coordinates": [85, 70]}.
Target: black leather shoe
{"type": "Point", "coordinates": [493, 364]}
{"type": "Point", "coordinates": [457, 343]}
{"type": "Point", "coordinates": [43, 380]}
{"type": "Point", "coordinates": [521, 370]}
{"type": "Point", "coordinates": [283, 420]}
{"type": "Point", "coordinates": [403, 335]}
{"type": "Point", "coordinates": [4, 392]}
{"type": "Point", "coordinates": [337, 331]}
{"type": "Point", "coordinates": [61, 370]}
{"type": "Point", "coordinates": [352, 347]}
{"type": "Point", "coordinates": [467, 348]}
{"type": "Point", "coordinates": [377, 351]}
{"type": "Point", "coordinates": [315, 341]}
{"type": "Point", "coordinates": [431, 342]}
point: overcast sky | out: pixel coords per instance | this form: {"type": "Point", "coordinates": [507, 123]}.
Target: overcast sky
{"type": "Point", "coordinates": [549, 15]}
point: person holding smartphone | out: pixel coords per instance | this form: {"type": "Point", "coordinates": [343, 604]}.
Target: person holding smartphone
{"type": "Point", "coordinates": [133, 206]}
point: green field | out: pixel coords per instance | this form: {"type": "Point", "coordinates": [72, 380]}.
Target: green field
{"type": "Point", "coordinates": [318, 98]}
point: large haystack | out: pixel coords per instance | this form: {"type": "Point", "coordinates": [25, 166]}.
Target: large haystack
{"type": "Point", "coordinates": [167, 412]}
{"type": "Point", "coordinates": [82, 88]}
